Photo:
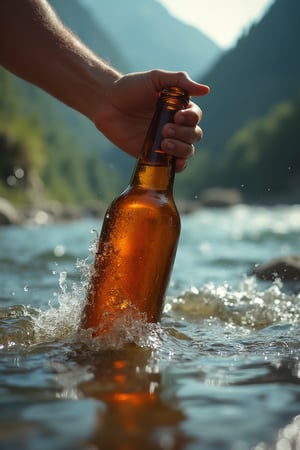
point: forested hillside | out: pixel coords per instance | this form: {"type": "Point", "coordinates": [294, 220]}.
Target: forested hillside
{"type": "Point", "coordinates": [150, 37]}
{"type": "Point", "coordinates": [248, 86]}
{"type": "Point", "coordinates": [262, 160]}
{"type": "Point", "coordinates": [262, 70]}
{"type": "Point", "coordinates": [40, 161]}
{"type": "Point", "coordinates": [59, 152]}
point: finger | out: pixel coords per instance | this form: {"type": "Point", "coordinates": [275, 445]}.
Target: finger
{"type": "Point", "coordinates": [190, 116]}
{"type": "Point", "coordinates": [181, 164]}
{"type": "Point", "coordinates": [185, 134]}
{"type": "Point", "coordinates": [177, 148]}
{"type": "Point", "coordinates": [163, 78]}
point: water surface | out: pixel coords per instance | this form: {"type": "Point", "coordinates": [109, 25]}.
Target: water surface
{"type": "Point", "coordinates": [221, 371]}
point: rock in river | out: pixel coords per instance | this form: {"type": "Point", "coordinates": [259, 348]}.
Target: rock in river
{"type": "Point", "coordinates": [287, 268]}
{"type": "Point", "coordinates": [221, 197]}
{"type": "Point", "coordinates": [8, 213]}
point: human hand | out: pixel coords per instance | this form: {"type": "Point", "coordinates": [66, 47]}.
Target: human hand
{"type": "Point", "coordinates": [125, 113]}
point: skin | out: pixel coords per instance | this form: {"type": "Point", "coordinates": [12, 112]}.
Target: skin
{"type": "Point", "coordinates": [36, 46]}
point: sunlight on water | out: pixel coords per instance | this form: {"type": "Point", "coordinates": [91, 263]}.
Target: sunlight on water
{"type": "Point", "coordinates": [248, 306]}
{"type": "Point", "coordinates": [288, 437]}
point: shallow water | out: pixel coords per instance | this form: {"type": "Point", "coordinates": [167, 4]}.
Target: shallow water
{"type": "Point", "coordinates": [221, 371]}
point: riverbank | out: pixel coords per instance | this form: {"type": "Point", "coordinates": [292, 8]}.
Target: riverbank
{"type": "Point", "coordinates": [50, 211]}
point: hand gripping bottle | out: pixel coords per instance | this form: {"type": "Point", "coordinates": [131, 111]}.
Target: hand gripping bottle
{"type": "Point", "coordinates": [140, 232]}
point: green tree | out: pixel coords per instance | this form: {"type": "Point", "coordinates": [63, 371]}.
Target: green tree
{"type": "Point", "coordinates": [264, 156]}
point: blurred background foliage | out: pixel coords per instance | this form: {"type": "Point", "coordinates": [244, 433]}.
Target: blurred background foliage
{"type": "Point", "coordinates": [251, 132]}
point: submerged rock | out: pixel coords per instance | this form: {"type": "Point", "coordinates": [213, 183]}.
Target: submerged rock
{"type": "Point", "coordinates": [286, 268]}
{"type": "Point", "coordinates": [8, 213]}
{"type": "Point", "coordinates": [221, 197]}
{"type": "Point", "coordinates": [188, 206]}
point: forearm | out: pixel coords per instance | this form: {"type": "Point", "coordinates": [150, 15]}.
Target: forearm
{"type": "Point", "coordinates": [37, 47]}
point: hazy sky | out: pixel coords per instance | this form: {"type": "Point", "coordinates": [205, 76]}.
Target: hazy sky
{"type": "Point", "coordinates": [222, 20]}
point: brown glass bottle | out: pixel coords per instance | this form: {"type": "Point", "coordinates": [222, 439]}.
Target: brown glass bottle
{"type": "Point", "coordinates": [140, 233]}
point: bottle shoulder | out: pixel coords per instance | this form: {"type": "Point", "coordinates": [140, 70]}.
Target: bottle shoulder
{"type": "Point", "coordinates": [148, 202]}
{"type": "Point", "coordinates": [136, 194]}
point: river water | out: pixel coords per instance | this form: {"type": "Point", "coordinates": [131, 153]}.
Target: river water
{"type": "Point", "coordinates": [221, 370]}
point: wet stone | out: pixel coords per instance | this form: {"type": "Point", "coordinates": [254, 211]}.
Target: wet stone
{"type": "Point", "coordinates": [221, 197]}
{"type": "Point", "coordinates": [8, 213]}
{"type": "Point", "coordinates": [286, 268]}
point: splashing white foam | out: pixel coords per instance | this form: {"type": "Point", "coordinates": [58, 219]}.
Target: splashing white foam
{"type": "Point", "coordinates": [63, 321]}
{"type": "Point", "coordinates": [247, 306]}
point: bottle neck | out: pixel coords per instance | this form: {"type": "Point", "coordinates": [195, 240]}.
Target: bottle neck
{"type": "Point", "coordinates": [155, 169]}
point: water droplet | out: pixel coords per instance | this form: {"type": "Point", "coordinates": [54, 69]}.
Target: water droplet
{"type": "Point", "coordinates": [93, 231]}
{"type": "Point", "coordinates": [59, 251]}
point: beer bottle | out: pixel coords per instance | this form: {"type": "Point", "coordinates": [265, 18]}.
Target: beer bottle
{"type": "Point", "coordinates": [140, 233]}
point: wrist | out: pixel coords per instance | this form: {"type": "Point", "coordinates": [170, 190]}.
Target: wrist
{"type": "Point", "coordinates": [93, 81]}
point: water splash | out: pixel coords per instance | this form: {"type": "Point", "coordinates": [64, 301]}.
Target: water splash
{"type": "Point", "coordinates": [248, 306]}
{"type": "Point", "coordinates": [60, 322]}
{"type": "Point", "coordinates": [63, 322]}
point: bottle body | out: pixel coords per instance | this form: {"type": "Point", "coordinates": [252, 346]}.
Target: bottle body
{"type": "Point", "coordinates": [138, 242]}
{"type": "Point", "coordinates": [134, 258]}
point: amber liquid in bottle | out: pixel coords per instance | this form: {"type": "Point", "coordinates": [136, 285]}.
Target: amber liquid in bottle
{"type": "Point", "coordinates": [140, 233]}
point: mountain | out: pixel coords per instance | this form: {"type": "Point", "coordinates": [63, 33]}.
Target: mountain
{"type": "Point", "coordinates": [81, 22]}
{"type": "Point", "coordinates": [262, 70]}
{"type": "Point", "coordinates": [149, 37]}
{"type": "Point", "coordinates": [250, 118]}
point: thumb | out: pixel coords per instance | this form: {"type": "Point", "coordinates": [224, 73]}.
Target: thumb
{"type": "Point", "coordinates": [164, 78]}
